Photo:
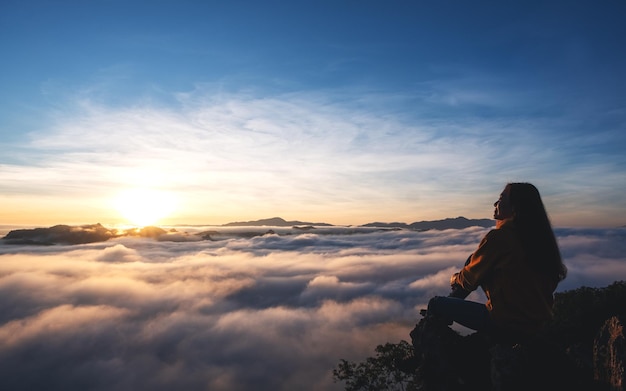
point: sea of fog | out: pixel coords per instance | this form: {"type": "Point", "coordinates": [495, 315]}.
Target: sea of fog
{"type": "Point", "coordinates": [241, 311]}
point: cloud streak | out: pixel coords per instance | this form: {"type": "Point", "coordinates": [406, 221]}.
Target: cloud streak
{"type": "Point", "coordinates": [266, 312]}
{"type": "Point", "coordinates": [317, 156]}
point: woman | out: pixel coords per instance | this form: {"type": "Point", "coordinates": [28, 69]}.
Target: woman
{"type": "Point", "coordinates": [518, 265]}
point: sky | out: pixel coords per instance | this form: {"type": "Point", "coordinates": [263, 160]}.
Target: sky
{"type": "Point", "coordinates": [274, 312]}
{"type": "Point", "coordinates": [344, 112]}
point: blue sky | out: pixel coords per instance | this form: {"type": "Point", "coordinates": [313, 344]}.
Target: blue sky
{"type": "Point", "coordinates": [345, 112]}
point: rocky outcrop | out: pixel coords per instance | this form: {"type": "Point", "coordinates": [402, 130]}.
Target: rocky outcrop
{"type": "Point", "coordinates": [582, 349]}
{"type": "Point", "coordinates": [60, 234]}
{"type": "Point", "coordinates": [609, 355]}
{"type": "Point", "coordinates": [71, 235]}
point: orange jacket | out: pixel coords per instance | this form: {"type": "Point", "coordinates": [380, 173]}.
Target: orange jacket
{"type": "Point", "coordinates": [518, 298]}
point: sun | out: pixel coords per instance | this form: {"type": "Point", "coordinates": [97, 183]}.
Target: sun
{"type": "Point", "coordinates": [144, 207]}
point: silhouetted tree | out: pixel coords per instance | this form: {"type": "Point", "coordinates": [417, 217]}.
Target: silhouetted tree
{"type": "Point", "coordinates": [385, 371]}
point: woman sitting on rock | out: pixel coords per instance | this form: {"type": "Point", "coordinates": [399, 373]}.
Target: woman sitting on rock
{"type": "Point", "coordinates": [518, 265]}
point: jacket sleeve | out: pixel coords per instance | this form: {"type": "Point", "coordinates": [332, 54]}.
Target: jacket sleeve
{"type": "Point", "coordinates": [481, 262]}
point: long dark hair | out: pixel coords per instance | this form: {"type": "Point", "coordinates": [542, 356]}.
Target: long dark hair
{"type": "Point", "coordinates": [533, 226]}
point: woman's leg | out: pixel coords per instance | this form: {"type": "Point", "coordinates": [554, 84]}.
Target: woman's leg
{"type": "Point", "coordinates": [470, 314]}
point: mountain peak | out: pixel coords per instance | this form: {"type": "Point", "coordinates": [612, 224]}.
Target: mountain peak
{"type": "Point", "coordinates": [273, 222]}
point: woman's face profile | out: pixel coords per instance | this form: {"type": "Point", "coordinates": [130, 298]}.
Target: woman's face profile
{"type": "Point", "coordinates": [503, 209]}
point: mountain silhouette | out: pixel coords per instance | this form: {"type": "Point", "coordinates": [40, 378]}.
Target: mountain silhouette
{"type": "Point", "coordinates": [91, 233]}
{"type": "Point", "coordinates": [273, 222]}
{"type": "Point", "coordinates": [449, 223]}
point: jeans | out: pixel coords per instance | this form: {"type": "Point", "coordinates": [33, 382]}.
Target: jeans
{"type": "Point", "coordinates": [470, 314]}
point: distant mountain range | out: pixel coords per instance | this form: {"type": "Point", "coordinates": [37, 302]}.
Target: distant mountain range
{"type": "Point", "coordinates": [449, 223]}
{"type": "Point", "coordinates": [272, 222]}
{"type": "Point", "coordinates": [65, 234]}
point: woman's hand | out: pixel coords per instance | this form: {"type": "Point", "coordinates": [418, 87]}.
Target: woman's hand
{"type": "Point", "coordinates": [453, 279]}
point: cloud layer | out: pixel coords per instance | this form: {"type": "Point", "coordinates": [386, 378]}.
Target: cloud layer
{"type": "Point", "coordinates": [272, 312]}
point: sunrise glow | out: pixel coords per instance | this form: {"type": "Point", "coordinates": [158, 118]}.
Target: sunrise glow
{"type": "Point", "coordinates": [144, 207]}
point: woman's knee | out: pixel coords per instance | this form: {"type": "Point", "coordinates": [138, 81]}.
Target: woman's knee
{"type": "Point", "coordinates": [434, 304]}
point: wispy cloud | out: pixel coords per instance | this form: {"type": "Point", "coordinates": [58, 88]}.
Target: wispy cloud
{"type": "Point", "coordinates": [305, 155]}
